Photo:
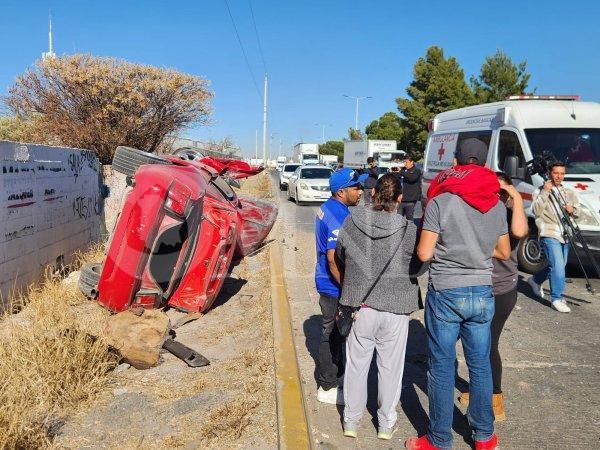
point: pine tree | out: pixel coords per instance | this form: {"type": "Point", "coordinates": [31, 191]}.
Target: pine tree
{"type": "Point", "coordinates": [439, 85]}
{"type": "Point", "coordinates": [499, 78]}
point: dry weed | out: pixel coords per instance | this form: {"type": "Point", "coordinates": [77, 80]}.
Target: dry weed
{"type": "Point", "coordinates": [257, 186]}
{"type": "Point", "coordinates": [229, 420]}
{"type": "Point", "coordinates": [49, 364]}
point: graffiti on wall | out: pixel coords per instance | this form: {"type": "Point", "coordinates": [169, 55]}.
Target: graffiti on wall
{"type": "Point", "coordinates": [85, 207]}
{"type": "Point", "coordinates": [78, 160]}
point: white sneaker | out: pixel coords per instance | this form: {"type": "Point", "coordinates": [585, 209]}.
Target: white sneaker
{"type": "Point", "coordinates": [333, 396]}
{"type": "Point", "coordinates": [561, 306]}
{"type": "Point", "coordinates": [536, 288]}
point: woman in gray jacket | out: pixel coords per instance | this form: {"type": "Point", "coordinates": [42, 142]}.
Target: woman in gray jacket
{"type": "Point", "coordinates": [375, 248]}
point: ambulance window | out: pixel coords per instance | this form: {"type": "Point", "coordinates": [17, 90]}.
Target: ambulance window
{"type": "Point", "coordinates": [484, 136]}
{"type": "Point", "coordinates": [509, 145]}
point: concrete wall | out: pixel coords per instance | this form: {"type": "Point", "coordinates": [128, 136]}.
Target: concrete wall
{"type": "Point", "coordinates": [50, 206]}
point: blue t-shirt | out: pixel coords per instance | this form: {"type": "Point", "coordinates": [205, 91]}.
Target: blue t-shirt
{"type": "Point", "coordinates": [329, 220]}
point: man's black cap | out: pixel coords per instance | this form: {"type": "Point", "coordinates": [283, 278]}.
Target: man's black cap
{"type": "Point", "coordinates": [471, 148]}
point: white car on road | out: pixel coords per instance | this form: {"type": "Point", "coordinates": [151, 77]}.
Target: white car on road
{"type": "Point", "coordinates": [285, 174]}
{"type": "Point", "coordinates": [309, 184]}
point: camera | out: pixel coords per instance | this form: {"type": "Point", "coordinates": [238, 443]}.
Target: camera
{"type": "Point", "coordinates": [541, 163]}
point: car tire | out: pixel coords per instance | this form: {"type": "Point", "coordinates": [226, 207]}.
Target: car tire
{"type": "Point", "coordinates": [89, 278]}
{"type": "Point", "coordinates": [281, 187]}
{"type": "Point", "coordinates": [530, 255]}
{"type": "Point", "coordinates": [298, 202]}
{"type": "Point", "coordinates": [127, 160]}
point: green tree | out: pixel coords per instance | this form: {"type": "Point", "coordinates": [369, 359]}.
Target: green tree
{"type": "Point", "coordinates": [355, 135]}
{"type": "Point", "coordinates": [388, 127]}
{"type": "Point", "coordinates": [499, 78]}
{"type": "Point", "coordinates": [439, 85]}
{"type": "Point", "coordinates": [332, 148]}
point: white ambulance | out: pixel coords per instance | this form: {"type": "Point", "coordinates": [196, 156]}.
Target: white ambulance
{"type": "Point", "coordinates": [515, 131]}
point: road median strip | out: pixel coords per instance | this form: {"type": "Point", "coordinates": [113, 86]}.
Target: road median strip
{"type": "Point", "coordinates": [291, 414]}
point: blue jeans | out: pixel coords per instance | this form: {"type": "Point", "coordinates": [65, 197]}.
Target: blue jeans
{"type": "Point", "coordinates": [557, 254]}
{"type": "Point", "coordinates": [466, 312]}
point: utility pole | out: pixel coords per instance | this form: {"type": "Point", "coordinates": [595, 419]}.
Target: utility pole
{"type": "Point", "coordinates": [264, 136]}
{"type": "Point", "coordinates": [322, 130]}
{"type": "Point", "coordinates": [256, 145]}
{"type": "Point", "coordinates": [356, 111]}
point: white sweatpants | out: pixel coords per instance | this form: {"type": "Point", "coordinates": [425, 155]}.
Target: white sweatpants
{"type": "Point", "coordinates": [387, 333]}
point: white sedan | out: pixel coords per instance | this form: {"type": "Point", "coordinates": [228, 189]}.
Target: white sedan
{"type": "Point", "coordinates": [309, 184]}
{"type": "Point", "coordinates": [286, 172]}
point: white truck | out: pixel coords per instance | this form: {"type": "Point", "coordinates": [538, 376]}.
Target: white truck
{"type": "Point", "coordinates": [281, 160]}
{"type": "Point", "coordinates": [515, 131]}
{"type": "Point", "coordinates": [306, 153]}
{"type": "Point", "coordinates": [328, 160]}
{"type": "Point", "coordinates": [385, 153]}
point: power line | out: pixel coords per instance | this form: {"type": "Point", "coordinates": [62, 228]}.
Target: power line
{"type": "Point", "coordinates": [243, 50]}
{"type": "Point", "coordinates": [262, 56]}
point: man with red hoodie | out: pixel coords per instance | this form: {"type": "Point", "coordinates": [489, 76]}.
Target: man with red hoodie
{"type": "Point", "coordinates": [464, 225]}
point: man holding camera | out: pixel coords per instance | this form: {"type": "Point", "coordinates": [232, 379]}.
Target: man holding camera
{"type": "Point", "coordinates": [553, 235]}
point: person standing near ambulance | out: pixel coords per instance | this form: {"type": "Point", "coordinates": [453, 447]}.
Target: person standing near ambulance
{"type": "Point", "coordinates": [553, 235]}
{"type": "Point", "coordinates": [346, 190]}
{"type": "Point", "coordinates": [464, 226]}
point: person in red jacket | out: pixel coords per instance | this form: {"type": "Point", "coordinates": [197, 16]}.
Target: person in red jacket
{"type": "Point", "coordinates": [464, 225]}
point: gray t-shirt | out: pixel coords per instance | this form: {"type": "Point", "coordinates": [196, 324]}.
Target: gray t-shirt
{"type": "Point", "coordinates": [467, 238]}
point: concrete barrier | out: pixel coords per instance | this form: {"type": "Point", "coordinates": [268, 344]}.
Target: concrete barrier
{"type": "Point", "coordinates": [50, 206]}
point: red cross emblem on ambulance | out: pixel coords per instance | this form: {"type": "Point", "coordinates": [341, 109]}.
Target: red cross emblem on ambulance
{"type": "Point", "coordinates": [581, 186]}
{"type": "Point", "coordinates": [441, 151]}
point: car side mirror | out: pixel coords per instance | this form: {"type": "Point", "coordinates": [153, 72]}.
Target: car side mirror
{"type": "Point", "coordinates": [512, 169]}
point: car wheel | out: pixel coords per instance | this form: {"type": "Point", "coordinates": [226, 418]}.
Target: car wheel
{"type": "Point", "coordinates": [530, 255]}
{"type": "Point", "coordinates": [281, 187]}
{"type": "Point", "coordinates": [298, 202]}
{"type": "Point", "coordinates": [89, 278]}
{"type": "Point", "coordinates": [188, 154]}
{"type": "Point", "coordinates": [127, 160]}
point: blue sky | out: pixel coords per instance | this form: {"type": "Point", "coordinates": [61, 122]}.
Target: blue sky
{"type": "Point", "coordinates": [315, 51]}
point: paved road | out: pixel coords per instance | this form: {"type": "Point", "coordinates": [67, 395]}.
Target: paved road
{"type": "Point", "coordinates": [551, 363]}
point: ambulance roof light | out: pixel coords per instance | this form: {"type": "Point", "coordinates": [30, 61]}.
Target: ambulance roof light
{"type": "Point", "coordinates": [545, 97]}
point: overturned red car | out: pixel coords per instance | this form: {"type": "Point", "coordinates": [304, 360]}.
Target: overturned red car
{"type": "Point", "coordinates": [180, 228]}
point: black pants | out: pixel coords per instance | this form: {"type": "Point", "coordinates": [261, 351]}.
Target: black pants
{"type": "Point", "coordinates": [504, 306]}
{"type": "Point", "coordinates": [330, 364]}
{"type": "Point", "coordinates": [407, 210]}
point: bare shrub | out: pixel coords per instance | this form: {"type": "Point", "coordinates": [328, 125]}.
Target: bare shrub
{"type": "Point", "coordinates": [100, 103]}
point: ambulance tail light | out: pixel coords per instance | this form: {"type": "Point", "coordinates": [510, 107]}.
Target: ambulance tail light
{"type": "Point", "coordinates": [432, 125]}
{"type": "Point", "coordinates": [545, 97]}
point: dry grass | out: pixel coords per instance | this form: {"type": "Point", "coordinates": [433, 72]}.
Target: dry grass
{"type": "Point", "coordinates": [257, 186]}
{"type": "Point", "coordinates": [229, 420]}
{"type": "Point", "coordinates": [49, 362]}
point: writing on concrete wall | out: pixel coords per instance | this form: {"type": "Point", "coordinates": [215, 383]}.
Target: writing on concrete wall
{"type": "Point", "coordinates": [50, 207]}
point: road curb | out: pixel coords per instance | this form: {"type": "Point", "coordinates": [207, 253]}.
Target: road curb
{"type": "Point", "coordinates": [291, 415]}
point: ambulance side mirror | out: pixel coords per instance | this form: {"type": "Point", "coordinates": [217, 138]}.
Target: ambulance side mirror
{"type": "Point", "coordinates": [512, 169]}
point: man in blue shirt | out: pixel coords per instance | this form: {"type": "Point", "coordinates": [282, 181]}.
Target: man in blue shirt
{"type": "Point", "coordinates": [346, 190]}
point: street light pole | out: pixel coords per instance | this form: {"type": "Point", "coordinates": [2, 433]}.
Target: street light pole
{"type": "Point", "coordinates": [322, 125]}
{"type": "Point", "coordinates": [356, 110]}
{"type": "Point", "coordinates": [264, 136]}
